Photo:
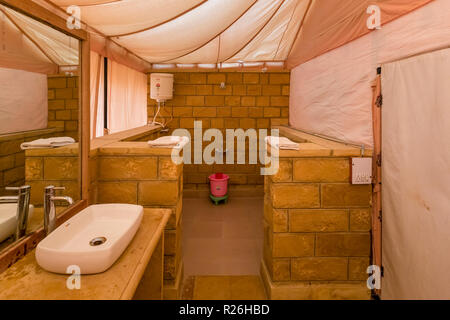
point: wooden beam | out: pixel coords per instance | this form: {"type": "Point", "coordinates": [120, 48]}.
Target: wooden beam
{"type": "Point", "coordinates": [376, 163]}
{"type": "Point", "coordinates": [97, 88]}
{"type": "Point", "coordinates": [45, 16]}
{"type": "Point", "coordinates": [85, 116]}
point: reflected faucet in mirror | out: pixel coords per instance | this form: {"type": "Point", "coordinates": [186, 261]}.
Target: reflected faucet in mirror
{"type": "Point", "coordinates": [23, 206]}
{"type": "Point", "coordinates": [49, 207]}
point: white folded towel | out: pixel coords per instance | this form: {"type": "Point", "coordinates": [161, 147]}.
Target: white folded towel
{"type": "Point", "coordinates": [282, 143]}
{"type": "Point", "coordinates": [47, 143]}
{"type": "Point", "coordinates": [169, 142]}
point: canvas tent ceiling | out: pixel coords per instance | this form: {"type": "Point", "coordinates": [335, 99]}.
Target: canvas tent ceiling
{"type": "Point", "coordinates": [231, 32]}
{"type": "Point", "coordinates": [29, 45]}
{"type": "Point", "coordinates": [196, 31]}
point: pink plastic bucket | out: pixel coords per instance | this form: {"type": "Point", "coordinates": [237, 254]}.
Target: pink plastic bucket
{"type": "Point", "coordinates": [219, 184]}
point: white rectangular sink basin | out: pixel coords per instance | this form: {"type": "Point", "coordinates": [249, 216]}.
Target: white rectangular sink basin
{"type": "Point", "coordinates": [8, 219]}
{"type": "Point", "coordinates": [92, 240]}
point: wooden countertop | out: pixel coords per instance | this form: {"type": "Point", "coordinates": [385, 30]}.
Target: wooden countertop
{"type": "Point", "coordinates": [26, 280]}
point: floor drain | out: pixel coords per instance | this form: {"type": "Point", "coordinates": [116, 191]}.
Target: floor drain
{"type": "Point", "coordinates": [97, 241]}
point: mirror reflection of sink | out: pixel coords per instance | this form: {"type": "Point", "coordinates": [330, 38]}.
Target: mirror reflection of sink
{"type": "Point", "coordinates": [92, 240]}
{"type": "Point", "coordinates": [8, 219]}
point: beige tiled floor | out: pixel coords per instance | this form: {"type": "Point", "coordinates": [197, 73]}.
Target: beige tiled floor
{"type": "Point", "coordinates": [224, 288]}
{"type": "Point", "coordinates": [222, 240]}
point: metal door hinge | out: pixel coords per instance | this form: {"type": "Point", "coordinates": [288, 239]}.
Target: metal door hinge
{"type": "Point", "coordinates": [380, 216]}
{"type": "Point", "coordinates": [382, 271]}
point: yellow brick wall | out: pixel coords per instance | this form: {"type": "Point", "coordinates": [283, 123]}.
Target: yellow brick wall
{"type": "Point", "coordinates": [12, 158]}
{"type": "Point", "coordinates": [148, 180]}
{"type": "Point", "coordinates": [250, 100]}
{"type": "Point", "coordinates": [317, 225]}
{"type": "Point", "coordinates": [60, 170]}
{"type": "Point", "coordinates": [63, 104]}
{"type": "Point", "coordinates": [12, 162]}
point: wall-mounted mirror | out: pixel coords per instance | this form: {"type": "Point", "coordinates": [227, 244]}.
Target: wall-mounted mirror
{"type": "Point", "coordinates": [39, 124]}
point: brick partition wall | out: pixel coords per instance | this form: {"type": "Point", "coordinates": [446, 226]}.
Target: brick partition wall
{"type": "Point", "coordinates": [128, 172]}
{"type": "Point", "coordinates": [249, 100]}
{"type": "Point", "coordinates": [136, 174]}
{"type": "Point", "coordinates": [317, 230]}
{"type": "Point", "coordinates": [63, 104]}
{"type": "Point", "coordinates": [12, 163]}
{"type": "Point", "coordinates": [12, 158]}
{"type": "Point", "coordinates": [58, 167]}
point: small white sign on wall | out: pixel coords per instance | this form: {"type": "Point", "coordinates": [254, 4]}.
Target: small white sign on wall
{"type": "Point", "coordinates": [361, 170]}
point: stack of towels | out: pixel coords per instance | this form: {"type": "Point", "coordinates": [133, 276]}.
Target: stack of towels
{"type": "Point", "coordinates": [47, 143]}
{"type": "Point", "coordinates": [282, 143]}
{"type": "Point", "coordinates": [169, 142]}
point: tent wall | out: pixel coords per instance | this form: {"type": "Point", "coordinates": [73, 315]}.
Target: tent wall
{"type": "Point", "coordinates": [127, 98]}
{"type": "Point", "coordinates": [329, 25]}
{"type": "Point", "coordinates": [97, 95]}
{"type": "Point", "coordinates": [416, 175]}
{"type": "Point", "coordinates": [331, 94]}
{"type": "Point", "coordinates": [23, 101]}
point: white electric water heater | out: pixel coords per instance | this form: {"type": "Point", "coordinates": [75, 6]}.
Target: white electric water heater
{"type": "Point", "coordinates": [161, 86]}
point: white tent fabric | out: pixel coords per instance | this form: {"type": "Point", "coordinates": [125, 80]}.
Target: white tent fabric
{"type": "Point", "coordinates": [416, 175]}
{"type": "Point", "coordinates": [274, 42]}
{"type": "Point", "coordinates": [175, 33]}
{"type": "Point", "coordinates": [231, 40]}
{"type": "Point", "coordinates": [127, 98]}
{"type": "Point", "coordinates": [181, 36]}
{"type": "Point", "coordinates": [59, 47]}
{"type": "Point", "coordinates": [17, 51]}
{"type": "Point", "coordinates": [23, 101]}
{"type": "Point", "coordinates": [32, 46]}
{"type": "Point", "coordinates": [204, 32]}
{"type": "Point", "coordinates": [97, 94]}
{"type": "Point", "coordinates": [333, 94]}
{"type": "Point", "coordinates": [196, 31]}
{"type": "Point", "coordinates": [128, 16]}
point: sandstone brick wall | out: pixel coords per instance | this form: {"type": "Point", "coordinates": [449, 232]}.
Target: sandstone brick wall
{"type": "Point", "coordinates": [250, 100]}
{"type": "Point", "coordinates": [153, 181]}
{"type": "Point", "coordinates": [12, 163]}
{"type": "Point", "coordinates": [63, 104]}
{"type": "Point", "coordinates": [48, 167]}
{"type": "Point", "coordinates": [317, 225]}
{"type": "Point", "coordinates": [12, 158]}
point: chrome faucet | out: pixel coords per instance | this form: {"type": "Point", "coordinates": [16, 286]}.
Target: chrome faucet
{"type": "Point", "coordinates": [23, 207]}
{"type": "Point", "coordinates": [49, 207]}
